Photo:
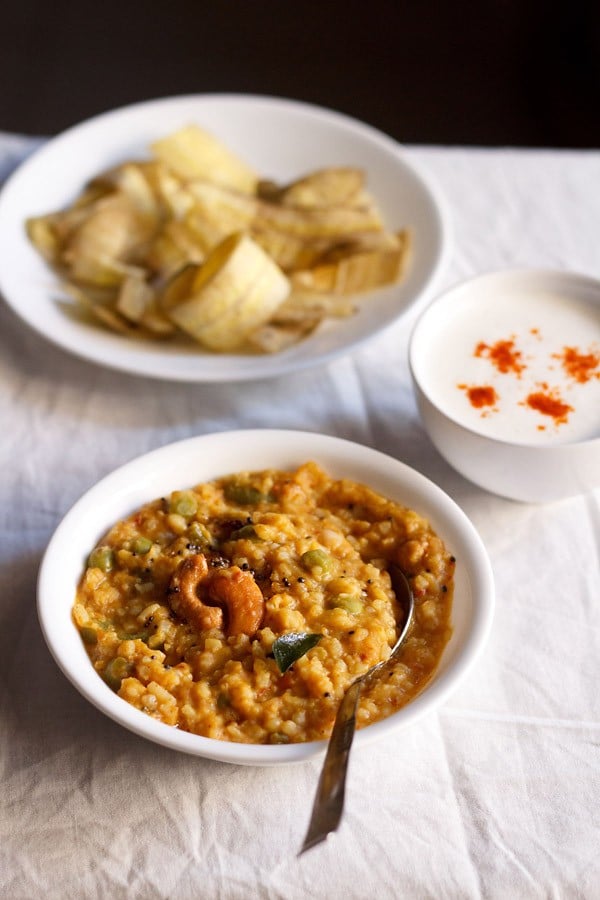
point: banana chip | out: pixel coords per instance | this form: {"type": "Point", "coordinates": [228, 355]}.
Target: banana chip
{"type": "Point", "coordinates": [193, 153]}
{"type": "Point", "coordinates": [357, 267]}
{"type": "Point", "coordinates": [134, 299]}
{"type": "Point", "coordinates": [238, 288]}
{"type": "Point", "coordinates": [274, 338]}
{"type": "Point", "coordinates": [326, 187]}
{"type": "Point", "coordinates": [193, 241]}
{"type": "Point", "coordinates": [175, 246]}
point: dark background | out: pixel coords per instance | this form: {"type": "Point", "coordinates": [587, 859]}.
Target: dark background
{"type": "Point", "coordinates": [497, 72]}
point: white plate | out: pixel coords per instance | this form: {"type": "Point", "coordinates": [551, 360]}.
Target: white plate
{"type": "Point", "coordinates": [203, 458]}
{"type": "Point", "coordinates": [282, 139]}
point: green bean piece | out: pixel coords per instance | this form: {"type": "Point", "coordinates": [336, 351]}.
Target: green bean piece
{"type": "Point", "coordinates": [316, 559]}
{"type": "Point", "coordinates": [349, 602]}
{"type": "Point", "coordinates": [245, 494]}
{"type": "Point", "coordinates": [102, 558]}
{"type": "Point", "coordinates": [142, 545]}
{"type": "Point", "coordinates": [156, 641]}
{"type": "Point", "coordinates": [88, 635]}
{"type": "Point", "coordinates": [184, 503]}
{"type": "Point", "coordinates": [198, 534]}
{"type": "Point", "coordinates": [116, 670]}
{"type": "Point", "coordinates": [134, 636]}
{"type": "Point", "coordinates": [246, 531]}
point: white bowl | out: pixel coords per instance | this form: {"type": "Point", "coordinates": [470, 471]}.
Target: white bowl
{"type": "Point", "coordinates": [281, 139]}
{"type": "Point", "coordinates": [510, 448]}
{"type": "Point", "coordinates": [202, 458]}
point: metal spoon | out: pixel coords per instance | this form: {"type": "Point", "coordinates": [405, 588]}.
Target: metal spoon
{"type": "Point", "coordinates": [329, 799]}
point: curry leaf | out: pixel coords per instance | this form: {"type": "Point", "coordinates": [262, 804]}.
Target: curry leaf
{"type": "Point", "coordinates": [290, 647]}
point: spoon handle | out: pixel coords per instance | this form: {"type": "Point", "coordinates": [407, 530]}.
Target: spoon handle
{"type": "Point", "coordinates": [329, 799]}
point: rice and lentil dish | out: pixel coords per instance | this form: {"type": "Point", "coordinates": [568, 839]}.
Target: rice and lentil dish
{"type": "Point", "coordinates": [190, 608]}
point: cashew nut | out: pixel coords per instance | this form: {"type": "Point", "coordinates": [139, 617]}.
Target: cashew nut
{"type": "Point", "coordinates": [183, 597]}
{"type": "Point", "coordinates": [229, 589]}
{"type": "Point", "coordinates": [238, 592]}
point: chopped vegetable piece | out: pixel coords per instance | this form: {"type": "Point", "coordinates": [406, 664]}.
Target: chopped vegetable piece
{"type": "Point", "coordinates": [102, 558]}
{"type": "Point", "coordinates": [183, 503]}
{"type": "Point", "coordinates": [349, 602]}
{"type": "Point", "coordinates": [316, 559]}
{"type": "Point", "coordinates": [198, 533]}
{"type": "Point", "coordinates": [114, 673]}
{"type": "Point", "coordinates": [246, 531]}
{"type": "Point", "coordinates": [278, 738]}
{"type": "Point", "coordinates": [244, 494]}
{"type": "Point", "coordinates": [156, 641]}
{"type": "Point", "coordinates": [290, 647]}
{"type": "Point", "coordinates": [88, 635]}
{"type": "Point", "coordinates": [142, 545]}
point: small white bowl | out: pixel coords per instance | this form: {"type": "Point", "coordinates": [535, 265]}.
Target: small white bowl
{"type": "Point", "coordinates": [203, 458]}
{"type": "Point", "coordinates": [511, 447]}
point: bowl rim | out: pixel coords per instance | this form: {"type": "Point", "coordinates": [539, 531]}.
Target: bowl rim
{"type": "Point", "coordinates": [473, 553]}
{"type": "Point", "coordinates": [561, 275]}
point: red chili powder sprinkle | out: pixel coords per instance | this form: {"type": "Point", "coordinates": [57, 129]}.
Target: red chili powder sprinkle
{"type": "Point", "coordinates": [503, 355]}
{"type": "Point", "coordinates": [480, 396]}
{"type": "Point", "coordinates": [548, 403]}
{"type": "Point", "coordinates": [579, 366]}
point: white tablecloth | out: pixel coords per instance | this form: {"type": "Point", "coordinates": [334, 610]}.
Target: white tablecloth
{"type": "Point", "coordinates": [497, 796]}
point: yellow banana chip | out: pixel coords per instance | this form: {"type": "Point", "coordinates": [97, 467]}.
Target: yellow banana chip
{"type": "Point", "coordinates": [326, 187]}
{"type": "Point", "coordinates": [237, 289]}
{"type": "Point", "coordinates": [359, 268]}
{"type": "Point", "coordinates": [194, 153]}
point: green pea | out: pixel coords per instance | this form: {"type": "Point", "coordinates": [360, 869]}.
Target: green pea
{"type": "Point", "coordinates": [102, 558]}
{"type": "Point", "coordinates": [142, 545]}
{"type": "Point", "coordinates": [88, 635]}
{"type": "Point", "coordinates": [316, 559]}
{"type": "Point", "coordinates": [349, 602]}
{"type": "Point", "coordinates": [278, 738]}
{"type": "Point", "coordinates": [184, 503]}
{"type": "Point", "coordinates": [116, 670]}
{"type": "Point", "coordinates": [245, 494]}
